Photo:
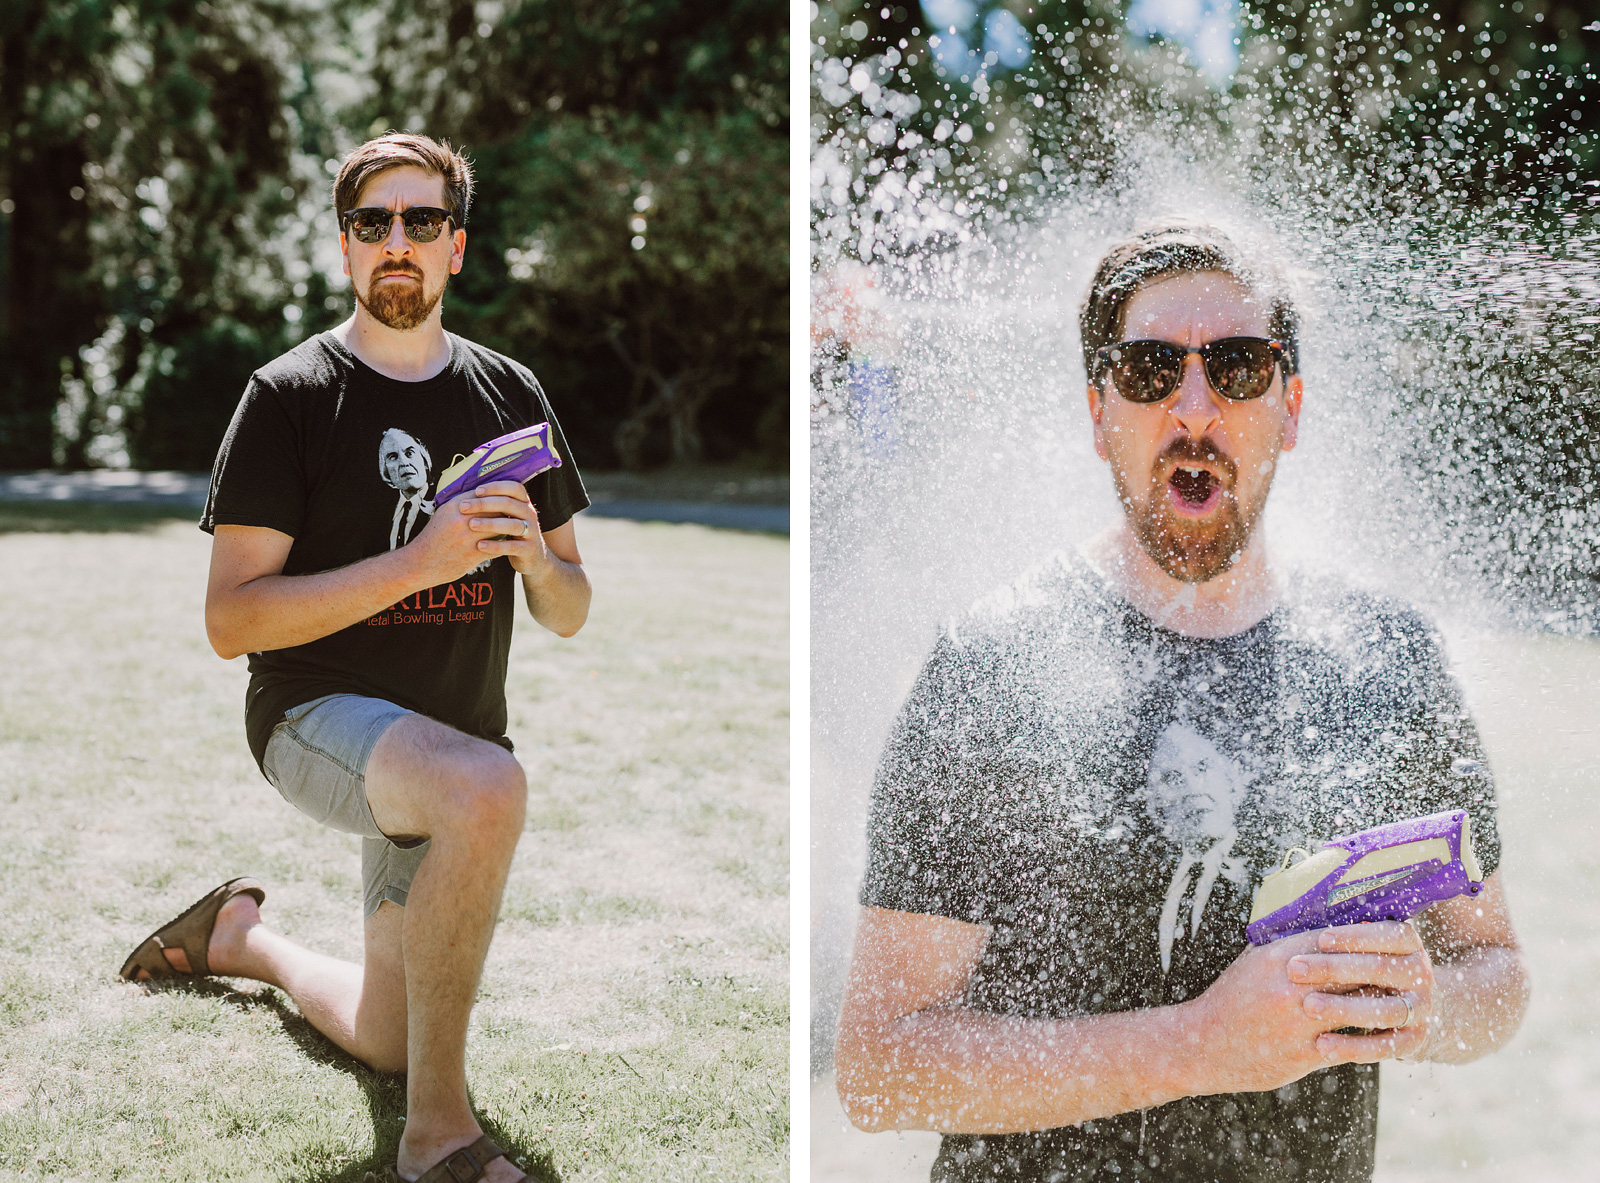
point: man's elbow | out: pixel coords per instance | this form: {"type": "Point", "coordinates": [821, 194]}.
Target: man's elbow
{"type": "Point", "coordinates": [564, 616]}
{"type": "Point", "coordinates": [223, 637]}
{"type": "Point", "coordinates": [860, 1088]}
{"type": "Point", "coordinates": [865, 1111]}
{"type": "Point", "coordinates": [571, 628]}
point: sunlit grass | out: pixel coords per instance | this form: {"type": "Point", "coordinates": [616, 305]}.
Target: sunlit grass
{"type": "Point", "coordinates": [633, 1018]}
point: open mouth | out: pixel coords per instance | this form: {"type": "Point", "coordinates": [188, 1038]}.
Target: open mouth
{"type": "Point", "coordinates": [1194, 489]}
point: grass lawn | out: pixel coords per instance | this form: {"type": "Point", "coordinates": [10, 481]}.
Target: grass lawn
{"type": "Point", "coordinates": [633, 1019]}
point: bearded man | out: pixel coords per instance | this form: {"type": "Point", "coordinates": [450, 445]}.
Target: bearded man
{"type": "Point", "coordinates": [1098, 765]}
{"type": "Point", "coordinates": [374, 704]}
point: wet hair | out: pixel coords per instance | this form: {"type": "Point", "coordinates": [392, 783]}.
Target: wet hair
{"type": "Point", "coordinates": [1178, 247]}
{"type": "Point", "coordinates": [399, 150]}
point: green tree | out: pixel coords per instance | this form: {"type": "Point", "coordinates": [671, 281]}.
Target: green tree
{"type": "Point", "coordinates": [151, 207]}
{"type": "Point", "coordinates": [1479, 99]}
{"type": "Point", "coordinates": [629, 237]}
{"type": "Point", "coordinates": [1456, 137]}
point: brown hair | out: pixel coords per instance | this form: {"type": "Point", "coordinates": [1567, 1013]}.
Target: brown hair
{"type": "Point", "coordinates": [397, 150]}
{"type": "Point", "coordinates": [1176, 247]}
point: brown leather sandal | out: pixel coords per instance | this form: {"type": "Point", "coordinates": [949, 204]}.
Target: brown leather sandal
{"type": "Point", "coordinates": [464, 1166]}
{"type": "Point", "coordinates": [190, 932]}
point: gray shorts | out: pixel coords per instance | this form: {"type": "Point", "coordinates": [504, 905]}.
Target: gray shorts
{"type": "Point", "coordinates": [317, 758]}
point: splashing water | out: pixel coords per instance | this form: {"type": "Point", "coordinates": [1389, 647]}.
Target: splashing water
{"type": "Point", "coordinates": [1448, 444]}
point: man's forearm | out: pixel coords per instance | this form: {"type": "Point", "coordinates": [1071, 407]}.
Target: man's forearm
{"type": "Point", "coordinates": [956, 1070]}
{"type": "Point", "coordinates": [558, 596]}
{"type": "Point", "coordinates": [1479, 998]}
{"type": "Point", "coordinates": [277, 611]}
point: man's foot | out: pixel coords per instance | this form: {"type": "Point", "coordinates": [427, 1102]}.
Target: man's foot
{"type": "Point", "coordinates": [234, 920]}
{"type": "Point", "coordinates": [413, 1164]}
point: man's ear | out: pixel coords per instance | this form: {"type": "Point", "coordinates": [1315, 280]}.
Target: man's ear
{"type": "Point", "coordinates": [344, 251]}
{"type": "Point", "coordinates": [1293, 390]}
{"type": "Point", "coordinates": [458, 250]}
{"type": "Point", "coordinates": [1097, 407]}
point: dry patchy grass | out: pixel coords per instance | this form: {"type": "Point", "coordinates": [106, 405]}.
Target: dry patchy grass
{"type": "Point", "coordinates": [633, 1017]}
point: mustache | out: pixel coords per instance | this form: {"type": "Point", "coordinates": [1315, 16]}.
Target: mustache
{"type": "Point", "coordinates": [410, 269]}
{"type": "Point", "coordinates": [1186, 450]}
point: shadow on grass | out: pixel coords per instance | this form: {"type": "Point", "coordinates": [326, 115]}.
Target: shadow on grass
{"type": "Point", "coordinates": [385, 1092]}
{"type": "Point", "coordinates": [89, 517]}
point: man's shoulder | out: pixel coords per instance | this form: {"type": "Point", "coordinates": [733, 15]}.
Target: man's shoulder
{"type": "Point", "coordinates": [317, 363]}
{"type": "Point", "coordinates": [492, 364]}
{"type": "Point", "coordinates": [1058, 595]}
{"type": "Point", "coordinates": [1360, 627]}
{"type": "Point", "coordinates": [1324, 604]}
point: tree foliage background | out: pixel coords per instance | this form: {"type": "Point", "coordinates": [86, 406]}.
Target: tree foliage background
{"type": "Point", "coordinates": [1461, 138]}
{"type": "Point", "coordinates": [165, 223]}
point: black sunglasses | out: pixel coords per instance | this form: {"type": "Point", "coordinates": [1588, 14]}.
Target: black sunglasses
{"type": "Point", "coordinates": [1238, 368]}
{"type": "Point", "coordinates": [370, 224]}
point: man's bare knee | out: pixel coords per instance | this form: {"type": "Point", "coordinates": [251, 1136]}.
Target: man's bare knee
{"type": "Point", "coordinates": [386, 1058]}
{"type": "Point", "coordinates": [429, 779]}
{"type": "Point", "coordinates": [487, 794]}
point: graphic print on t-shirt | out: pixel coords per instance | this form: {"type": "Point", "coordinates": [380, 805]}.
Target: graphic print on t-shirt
{"type": "Point", "coordinates": [405, 465]}
{"type": "Point", "coordinates": [1192, 793]}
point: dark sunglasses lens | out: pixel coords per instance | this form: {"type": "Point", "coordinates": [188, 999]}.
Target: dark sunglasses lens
{"type": "Point", "coordinates": [370, 226]}
{"type": "Point", "coordinates": [1239, 368]}
{"type": "Point", "coordinates": [423, 225]}
{"type": "Point", "coordinates": [1146, 371]}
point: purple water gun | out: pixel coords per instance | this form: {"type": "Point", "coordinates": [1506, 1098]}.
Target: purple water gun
{"type": "Point", "coordinates": [516, 456]}
{"type": "Point", "coordinates": [1389, 872]}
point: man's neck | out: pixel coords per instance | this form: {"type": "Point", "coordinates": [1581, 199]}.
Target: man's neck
{"type": "Point", "coordinates": [1234, 601]}
{"type": "Point", "coordinates": [413, 356]}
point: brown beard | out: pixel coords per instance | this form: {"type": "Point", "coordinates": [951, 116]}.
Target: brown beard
{"type": "Point", "coordinates": [1190, 551]}
{"type": "Point", "coordinates": [401, 306]}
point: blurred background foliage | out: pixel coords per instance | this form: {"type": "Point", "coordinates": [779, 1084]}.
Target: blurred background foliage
{"type": "Point", "coordinates": [165, 224]}
{"type": "Point", "coordinates": [1457, 142]}
{"type": "Point", "coordinates": [1481, 97]}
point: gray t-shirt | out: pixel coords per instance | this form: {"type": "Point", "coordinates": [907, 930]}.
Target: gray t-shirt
{"type": "Point", "coordinates": [1105, 795]}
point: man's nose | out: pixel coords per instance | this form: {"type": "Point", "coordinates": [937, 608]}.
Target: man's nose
{"type": "Point", "coordinates": [1198, 408]}
{"type": "Point", "coordinates": [397, 243]}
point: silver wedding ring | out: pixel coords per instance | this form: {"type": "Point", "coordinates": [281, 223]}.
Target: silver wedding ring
{"type": "Point", "coordinates": [1410, 1014]}
{"type": "Point", "coordinates": [524, 534]}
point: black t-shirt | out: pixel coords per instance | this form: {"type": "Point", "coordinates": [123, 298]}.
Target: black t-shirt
{"type": "Point", "coordinates": [1106, 794]}
{"type": "Point", "coordinates": [346, 461]}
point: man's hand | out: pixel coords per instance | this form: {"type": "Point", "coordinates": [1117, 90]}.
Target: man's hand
{"type": "Point", "coordinates": [498, 518]}
{"type": "Point", "coordinates": [1252, 1026]}
{"type": "Point", "coordinates": [1273, 1015]}
{"type": "Point", "coordinates": [1374, 976]}
{"type": "Point", "coordinates": [505, 521]}
{"type": "Point", "coordinates": [494, 519]}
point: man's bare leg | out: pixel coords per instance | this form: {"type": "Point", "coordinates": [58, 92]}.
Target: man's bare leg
{"type": "Point", "coordinates": [408, 1005]}
{"type": "Point", "coordinates": [362, 1008]}
{"type": "Point", "coordinates": [469, 796]}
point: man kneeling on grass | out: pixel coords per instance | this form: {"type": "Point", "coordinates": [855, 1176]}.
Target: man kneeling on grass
{"type": "Point", "coordinates": [378, 643]}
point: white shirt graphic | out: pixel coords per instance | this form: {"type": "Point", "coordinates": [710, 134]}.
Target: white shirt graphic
{"type": "Point", "coordinates": [1192, 793]}
{"type": "Point", "coordinates": [405, 466]}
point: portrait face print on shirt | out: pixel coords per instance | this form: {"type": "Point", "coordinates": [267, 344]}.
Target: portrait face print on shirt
{"type": "Point", "coordinates": [404, 462]}
{"type": "Point", "coordinates": [1192, 793]}
{"type": "Point", "coordinates": [406, 466]}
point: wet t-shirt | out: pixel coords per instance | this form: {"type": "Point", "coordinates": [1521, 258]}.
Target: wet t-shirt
{"type": "Point", "coordinates": [346, 462]}
{"type": "Point", "coordinates": [1105, 795]}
